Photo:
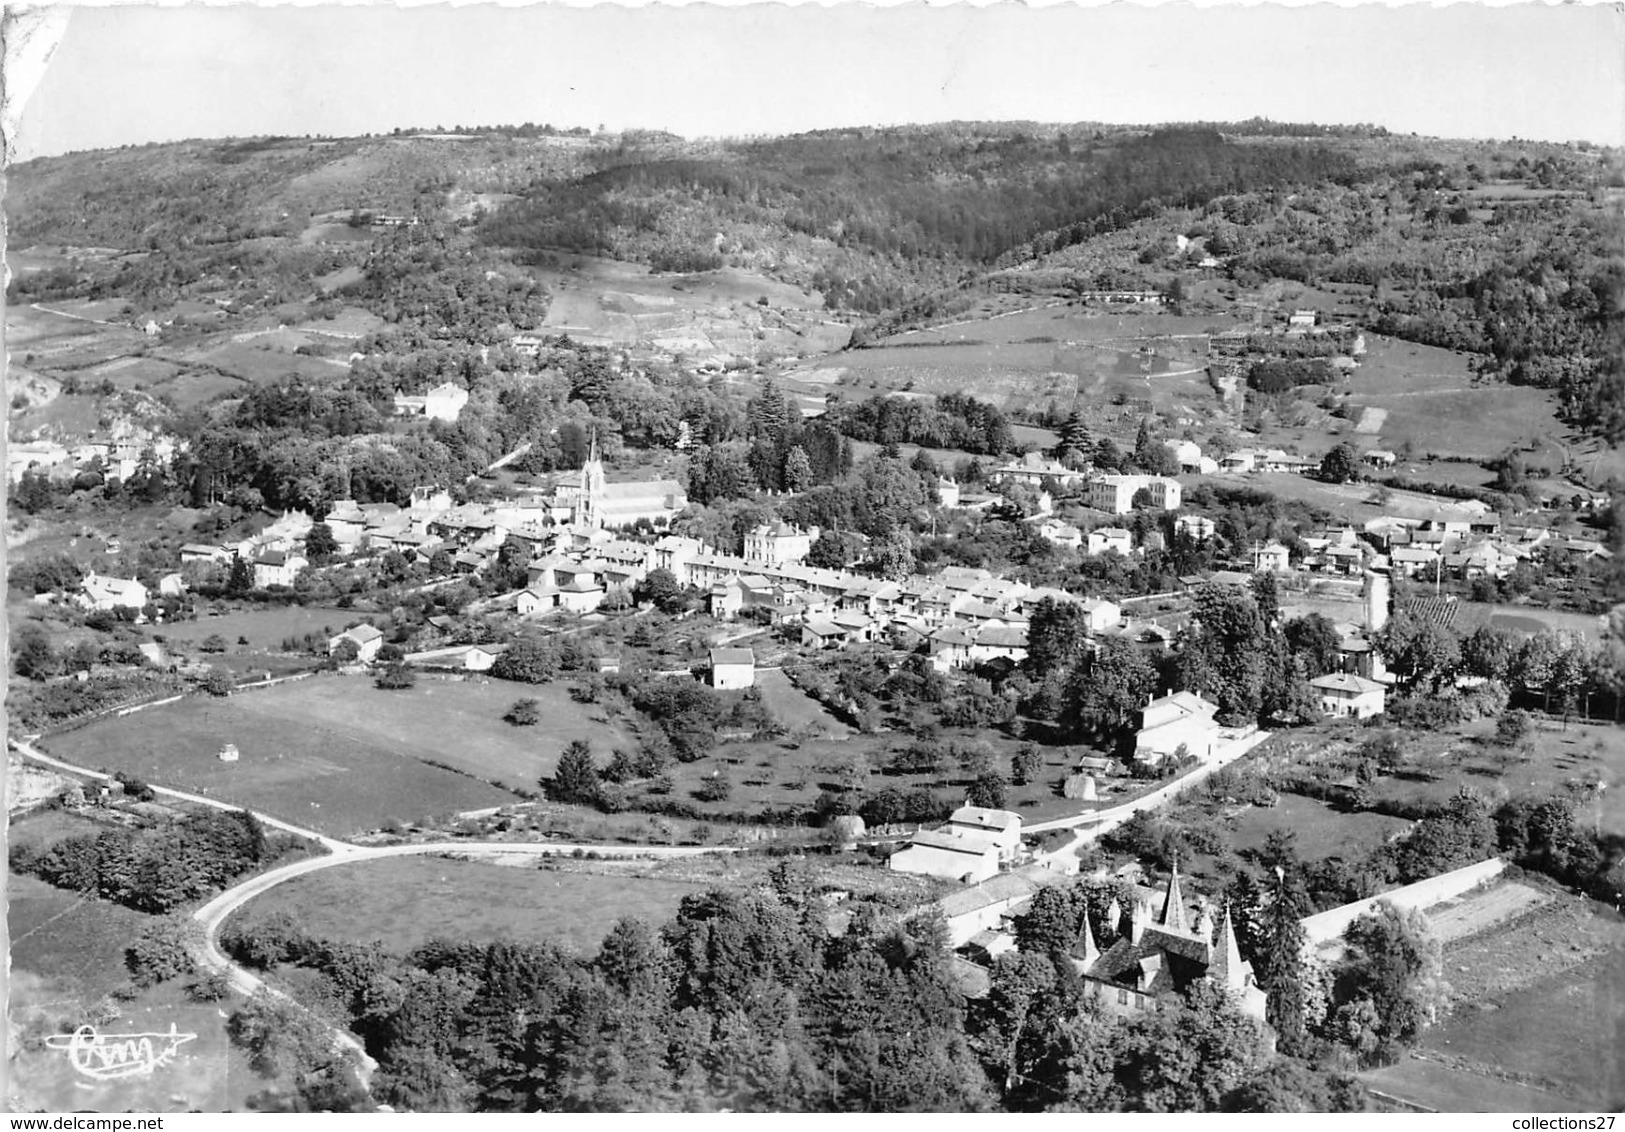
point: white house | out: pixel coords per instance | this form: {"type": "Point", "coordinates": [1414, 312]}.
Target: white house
{"type": "Point", "coordinates": [775, 544]}
{"type": "Point", "coordinates": [1273, 558]}
{"type": "Point", "coordinates": [947, 492]}
{"type": "Point", "coordinates": [442, 403]}
{"type": "Point", "coordinates": [1100, 614]}
{"type": "Point", "coordinates": [368, 639]}
{"type": "Point", "coordinates": [1345, 694]}
{"type": "Point", "coordinates": [277, 568]}
{"type": "Point", "coordinates": [1301, 319]}
{"type": "Point", "coordinates": [1102, 539]}
{"type": "Point", "coordinates": [1183, 719]}
{"type": "Point", "coordinates": [1059, 533]}
{"type": "Point", "coordinates": [1116, 493]}
{"type": "Point", "coordinates": [732, 668]}
{"type": "Point", "coordinates": [100, 592]}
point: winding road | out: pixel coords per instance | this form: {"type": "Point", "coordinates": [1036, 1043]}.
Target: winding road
{"type": "Point", "coordinates": [213, 915]}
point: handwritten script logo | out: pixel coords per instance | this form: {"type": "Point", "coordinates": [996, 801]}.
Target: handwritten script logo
{"type": "Point", "coordinates": [107, 1057]}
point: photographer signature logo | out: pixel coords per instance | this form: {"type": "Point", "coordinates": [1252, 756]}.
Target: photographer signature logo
{"type": "Point", "coordinates": [108, 1057]}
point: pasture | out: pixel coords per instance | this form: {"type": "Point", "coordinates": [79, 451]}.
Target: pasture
{"type": "Point", "coordinates": [265, 626]}
{"type": "Point", "coordinates": [796, 710]}
{"type": "Point", "coordinates": [1321, 830]}
{"type": "Point", "coordinates": [407, 901]}
{"type": "Point", "coordinates": [454, 722]}
{"type": "Point", "coordinates": [336, 779]}
{"type": "Point", "coordinates": [1434, 402]}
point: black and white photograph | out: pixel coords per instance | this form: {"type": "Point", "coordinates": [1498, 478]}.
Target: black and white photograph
{"type": "Point", "coordinates": [785, 558]}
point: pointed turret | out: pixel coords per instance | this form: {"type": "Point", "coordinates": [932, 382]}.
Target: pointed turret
{"type": "Point", "coordinates": [1173, 905]}
{"type": "Point", "coordinates": [1091, 949]}
{"type": "Point", "coordinates": [1114, 918]}
{"type": "Point", "coordinates": [1226, 970]}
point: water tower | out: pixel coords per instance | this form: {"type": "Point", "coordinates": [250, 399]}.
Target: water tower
{"type": "Point", "coordinates": [1375, 594]}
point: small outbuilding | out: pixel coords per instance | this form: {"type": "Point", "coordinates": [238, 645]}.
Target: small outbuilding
{"type": "Point", "coordinates": [733, 669]}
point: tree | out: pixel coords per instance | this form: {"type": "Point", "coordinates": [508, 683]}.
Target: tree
{"type": "Point", "coordinates": [1513, 727]}
{"type": "Point", "coordinates": [576, 777]}
{"type": "Point", "coordinates": [218, 682]}
{"type": "Point", "coordinates": [395, 677]}
{"type": "Point", "coordinates": [241, 578]}
{"type": "Point", "coordinates": [1026, 764]}
{"type": "Point", "coordinates": [1388, 986]}
{"type": "Point", "coordinates": [660, 587]}
{"type": "Point", "coordinates": [1279, 964]}
{"type": "Point", "coordinates": [524, 713]}
{"type": "Point", "coordinates": [32, 656]}
{"type": "Point", "coordinates": [894, 556]}
{"type": "Point", "coordinates": [1108, 691]}
{"type": "Point", "coordinates": [529, 660]}
{"type": "Point", "coordinates": [988, 790]}
{"type": "Point", "coordinates": [214, 642]}
{"type": "Point", "coordinates": [1341, 464]}
{"type": "Point", "coordinates": [1314, 640]}
{"type": "Point", "coordinates": [320, 545]}
{"type": "Point", "coordinates": [798, 474]}
{"type": "Point", "coordinates": [162, 950]}
{"type": "Point", "coordinates": [34, 492]}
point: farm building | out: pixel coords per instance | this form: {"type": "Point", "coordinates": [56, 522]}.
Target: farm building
{"type": "Point", "coordinates": [962, 855]}
{"type": "Point", "coordinates": [732, 669]}
{"type": "Point", "coordinates": [368, 639]}
{"type": "Point", "coordinates": [1348, 695]}
{"type": "Point", "coordinates": [1003, 827]}
{"type": "Point", "coordinates": [203, 552]}
{"type": "Point", "coordinates": [468, 658]}
{"type": "Point", "coordinates": [1183, 719]}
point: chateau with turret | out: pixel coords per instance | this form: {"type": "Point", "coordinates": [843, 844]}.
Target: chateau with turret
{"type": "Point", "coordinates": [1144, 953]}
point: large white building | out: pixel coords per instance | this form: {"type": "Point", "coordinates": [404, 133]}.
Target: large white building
{"type": "Point", "coordinates": [1116, 493]}
{"type": "Point", "coordinates": [442, 403]}
{"type": "Point", "coordinates": [778, 544]}
{"type": "Point", "coordinates": [595, 502]}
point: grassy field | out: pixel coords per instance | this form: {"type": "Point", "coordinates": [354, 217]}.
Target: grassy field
{"type": "Point", "coordinates": [1584, 753]}
{"type": "Point", "coordinates": [265, 627]}
{"type": "Point", "coordinates": [1321, 830]}
{"type": "Point", "coordinates": [326, 777]}
{"type": "Point", "coordinates": [407, 901]}
{"type": "Point", "coordinates": [794, 708]}
{"type": "Point", "coordinates": [1565, 1032]}
{"type": "Point", "coordinates": [455, 722]}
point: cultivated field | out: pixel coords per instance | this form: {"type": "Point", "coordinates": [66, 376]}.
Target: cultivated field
{"type": "Point", "coordinates": [291, 766]}
{"type": "Point", "coordinates": [796, 710]}
{"type": "Point", "coordinates": [405, 902]}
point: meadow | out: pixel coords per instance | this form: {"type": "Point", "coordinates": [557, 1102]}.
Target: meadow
{"type": "Point", "coordinates": [407, 901]}
{"type": "Point", "coordinates": [289, 767]}
{"type": "Point", "coordinates": [1320, 829]}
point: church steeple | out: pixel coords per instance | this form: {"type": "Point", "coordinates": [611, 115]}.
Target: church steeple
{"type": "Point", "coordinates": [1091, 949]}
{"type": "Point", "coordinates": [1173, 905]}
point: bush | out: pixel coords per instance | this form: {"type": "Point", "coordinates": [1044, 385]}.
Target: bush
{"type": "Point", "coordinates": [717, 788]}
{"type": "Point", "coordinates": [524, 713]}
{"type": "Point", "coordinates": [214, 642]}
{"type": "Point", "coordinates": [134, 788]}
{"type": "Point", "coordinates": [162, 951]}
{"type": "Point", "coordinates": [396, 676]}
{"type": "Point", "coordinates": [218, 683]}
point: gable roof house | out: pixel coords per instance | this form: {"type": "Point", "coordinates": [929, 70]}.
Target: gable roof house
{"type": "Point", "coordinates": [368, 640]}
{"type": "Point", "coordinates": [98, 591]}
{"type": "Point", "coordinates": [1183, 719]}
